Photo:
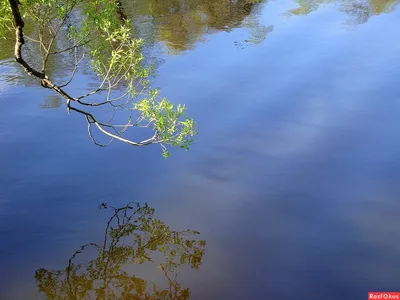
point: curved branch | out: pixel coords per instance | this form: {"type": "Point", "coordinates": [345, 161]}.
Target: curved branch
{"type": "Point", "coordinates": [92, 119]}
{"type": "Point", "coordinates": [19, 40]}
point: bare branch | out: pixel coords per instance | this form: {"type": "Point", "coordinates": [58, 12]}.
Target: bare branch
{"type": "Point", "coordinates": [153, 140]}
{"type": "Point", "coordinates": [31, 39]}
{"type": "Point", "coordinates": [55, 35]}
{"type": "Point", "coordinates": [77, 62]}
{"type": "Point", "coordinates": [19, 40]}
{"type": "Point", "coordinates": [92, 137]}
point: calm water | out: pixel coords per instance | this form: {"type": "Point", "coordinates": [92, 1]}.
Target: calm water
{"type": "Point", "coordinates": [294, 177]}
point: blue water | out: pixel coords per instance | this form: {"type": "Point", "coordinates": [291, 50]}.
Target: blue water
{"type": "Point", "coordinates": [292, 180]}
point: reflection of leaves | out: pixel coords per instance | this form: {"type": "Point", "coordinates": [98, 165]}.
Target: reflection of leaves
{"type": "Point", "coordinates": [307, 6]}
{"type": "Point", "coordinates": [257, 36]}
{"type": "Point", "coordinates": [181, 24]}
{"type": "Point", "coordinates": [132, 236]}
{"type": "Point", "coordinates": [359, 10]}
{"type": "Point", "coordinates": [9, 75]}
{"type": "Point", "coordinates": [52, 101]}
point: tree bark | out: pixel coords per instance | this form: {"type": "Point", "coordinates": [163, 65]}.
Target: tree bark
{"type": "Point", "coordinates": [19, 40]}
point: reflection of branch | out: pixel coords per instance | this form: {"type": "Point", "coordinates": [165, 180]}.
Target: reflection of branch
{"type": "Point", "coordinates": [70, 267]}
{"type": "Point", "coordinates": [77, 62]}
{"type": "Point", "coordinates": [54, 35]}
{"type": "Point", "coordinates": [103, 277]}
{"type": "Point", "coordinates": [70, 48]}
{"type": "Point", "coordinates": [120, 11]}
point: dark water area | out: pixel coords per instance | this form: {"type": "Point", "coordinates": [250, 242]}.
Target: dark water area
{"type": "Point", "coordinates": [293, 179]}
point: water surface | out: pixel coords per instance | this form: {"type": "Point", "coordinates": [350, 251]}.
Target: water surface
{"type": "Point", "coordinates": [292, 180]}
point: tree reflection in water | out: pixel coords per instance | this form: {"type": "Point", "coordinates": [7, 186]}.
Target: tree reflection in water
{"type": "Point", "coordinates": [132, 236]}
{"type": "Point", "coordinates": [181, 24]}
{"type": "Point", "coordinates": [359, 11]}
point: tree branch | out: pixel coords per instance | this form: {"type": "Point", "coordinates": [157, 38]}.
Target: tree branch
{"type": "Point", "coordinates": [92, 119]}
{"type": "Point", "coordinates": [48, 83]}
{"type": "Point", "coordinates": [19, 40]}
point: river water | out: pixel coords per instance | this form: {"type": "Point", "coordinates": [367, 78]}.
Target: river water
{"type": "Point", "coordinates": [293, 180]}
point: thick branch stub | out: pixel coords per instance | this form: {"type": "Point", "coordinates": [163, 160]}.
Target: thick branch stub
{"type": "Point", "coordinates": [19, 40]}
{"type": "Point", "coordinates": [16, 13]}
